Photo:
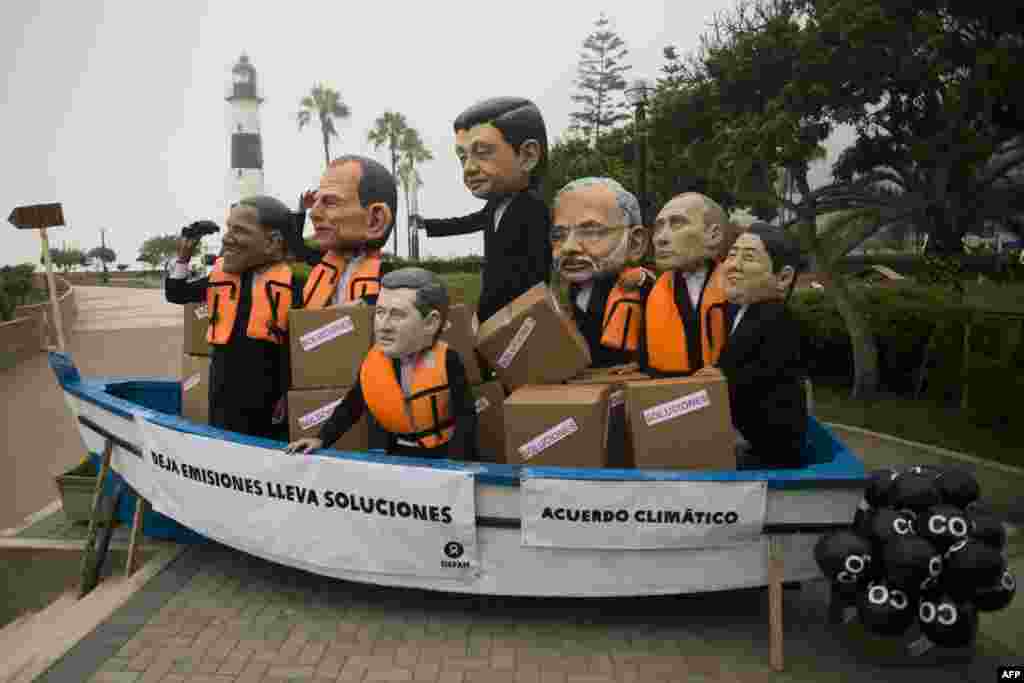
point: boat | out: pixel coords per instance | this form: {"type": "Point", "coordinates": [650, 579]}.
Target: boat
{"type": "Point", "coordinates": [495, 529]}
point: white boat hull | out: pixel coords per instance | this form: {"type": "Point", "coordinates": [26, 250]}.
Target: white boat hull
{"type": "Point", "coordinates": [797, 511]}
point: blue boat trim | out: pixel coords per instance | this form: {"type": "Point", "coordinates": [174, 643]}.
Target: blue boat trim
{"type": "Point", "coordinates": [844, 470]}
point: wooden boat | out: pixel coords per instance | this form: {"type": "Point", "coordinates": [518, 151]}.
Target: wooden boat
{"type": "Point", "coordinates": [501, 559]}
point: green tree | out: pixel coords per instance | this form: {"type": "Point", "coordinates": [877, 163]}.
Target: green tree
{"type": "Point", "coordinates": [159, 251]}
{"type": "Point", "coordinates": [599, 79]}
{"type": "Point", "coordinates": [102, 255]}
{"type": "Point", "coordinates": [324, 104]}
{"type": "Point", "coordinates": [392, 130]}
{"type": "Point", "coordinates": [413, 153]}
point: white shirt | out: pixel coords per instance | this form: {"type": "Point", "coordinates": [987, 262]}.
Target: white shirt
{"type": "Point", "coordinates": [583, 298]}
{"type": "Point", "coordinates": [736, 320]}
{"type": "Point", "coordinates": [500, 211]}
{"type": "Point", "coordinates": [345, 277]}
{"type": "Point", "coordinates": [695, 283]}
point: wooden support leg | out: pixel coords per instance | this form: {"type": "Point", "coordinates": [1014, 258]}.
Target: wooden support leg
{"type": "Point", "coordinates": [775, 574]}
{"type": "Point", "coordinates": [133, 543]}
{"type": "Point", "coordinates": [89, 552]}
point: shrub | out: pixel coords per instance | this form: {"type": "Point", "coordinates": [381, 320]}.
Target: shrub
{"type": "Point", "coordinates": [903, 319]}
{"type": "Point", "coordinates": [15, 288]}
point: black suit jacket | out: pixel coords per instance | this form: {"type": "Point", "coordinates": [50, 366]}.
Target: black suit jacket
{"type": "Point", "coordinates": [763, 362]}
{"type": "Point", "coordinates": [517, 255]}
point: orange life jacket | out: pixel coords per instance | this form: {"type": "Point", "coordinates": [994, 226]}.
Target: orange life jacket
{"type": "Point", "coordinates": [271, 301]}
{"type": "Point", "coordinates": [623, 315]}
{"type": "Point", "coordinates": [424, 416]}
{"type": "Point", "coordinates": [325, 276]}
{"type": "Point", "coordinates": [666, 335]}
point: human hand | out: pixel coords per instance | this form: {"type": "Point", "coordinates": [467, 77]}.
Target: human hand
{"type": "Point", "coordinates": [709, 371]}
{"type": "Point", "coordinates": [307, 199]}
{"type": "Point", "coordinates": [186, 248]}
{"type": "Point", "coordinates": [307, 445]}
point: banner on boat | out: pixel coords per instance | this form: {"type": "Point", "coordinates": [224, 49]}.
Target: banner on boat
{"type": "Point", "coordinates": [312, 512]}
{"type": "Point", "coordinates": [626, 515]}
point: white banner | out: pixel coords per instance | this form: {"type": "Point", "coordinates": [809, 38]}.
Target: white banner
{"type": "Point", "coordinates": [565, 513]}
{"type": "Point", "coordinates": [310, 511]}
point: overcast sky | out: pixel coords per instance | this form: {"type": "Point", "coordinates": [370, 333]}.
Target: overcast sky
{"type": "Point", "coordinates": [116, 108]}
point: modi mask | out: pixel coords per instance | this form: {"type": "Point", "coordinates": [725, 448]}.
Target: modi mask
{"type": "Point", "coordinates": [398, 326]}
{"type": "Point", "coordinates": [591, 237]}
{"type": "Point", "coordinates": [750, 276]}
{"type": "Point", "coordinates": [687, 232]}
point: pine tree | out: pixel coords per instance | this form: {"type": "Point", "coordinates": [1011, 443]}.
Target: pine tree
{"type": "Point", "coordinates": [600, 81]}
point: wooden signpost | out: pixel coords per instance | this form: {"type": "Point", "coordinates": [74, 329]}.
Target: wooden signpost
{"type": "Point", "coordinates": [40, 217]}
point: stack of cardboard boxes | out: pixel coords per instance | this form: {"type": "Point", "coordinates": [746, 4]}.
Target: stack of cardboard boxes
{"type": "Point", "coordinates": [546, 408]}
{"type": "Point", "coordinates": [327, 347]}
{"type": "Point", "coordinates": [561, 413]}
{"type": "Point", "coordinates": [195, 365]}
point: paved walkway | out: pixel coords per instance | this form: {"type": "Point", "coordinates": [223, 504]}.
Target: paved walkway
{"type": "Point", "coordinates": [217, 615]}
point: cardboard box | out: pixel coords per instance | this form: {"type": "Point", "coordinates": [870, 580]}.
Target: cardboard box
{"type": "Point", "coordinates": [530, 341]}
{"type": "Point", "coordinates": [490, 428]}
{"type": "Point", "coordinates": [197, 320]}
{"type": "Point", "coordinates": [459, 335]}
{"type": "Point", "coordinates": [328, 345]}
{"type": "Point", "coordinates": [557, 426]}
{"type": "Point", "coordinates": [681, 423]}
{"type": "Point", "coordinates": [620, 442]}
{"type": "Point", "coordinates": [308, 409]}
{"type": "Point", "coordinates": [195, 388]}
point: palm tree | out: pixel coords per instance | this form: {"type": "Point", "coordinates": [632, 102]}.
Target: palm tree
{"type": "Point", "coordinates": [404, 143]}
{"type": "Point", "coordinates": [324, 103]}
{"type": "Point", "coordinates": [388, 130]}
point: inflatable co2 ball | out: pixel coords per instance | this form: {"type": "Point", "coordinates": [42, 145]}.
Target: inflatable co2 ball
{"type": "Point", "coordinates": [947, 622]}
{"type": "Point", "coordinates": [879, 485]}
{"type": "Point", "coordinates": [988, 529]}
{"type": "Point", "coordinates": [843, 557]}
{"type": "Point", "coordinates": [888, 524]}
{"type": "Point", "coordinates": [957, 487]}
{"type": "Point", "coordinates": [909, 560]}
{"type": "Point", "coordinates": [943, 525]}
{"type": "Point", "coordinates": [915, 489]}
{"type": "Point", "coordinates": [968, 565]}
{"type": "Point", "coordinates": [885, 609]}
{"type": "Point", "coordinates": [998, 596]}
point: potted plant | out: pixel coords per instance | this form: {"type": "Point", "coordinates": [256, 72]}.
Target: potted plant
{"type": "Point", "coordinates": [77, 486]}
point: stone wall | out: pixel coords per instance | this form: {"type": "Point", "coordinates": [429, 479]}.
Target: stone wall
{"type": "Point", "coordinates": [32, 329]}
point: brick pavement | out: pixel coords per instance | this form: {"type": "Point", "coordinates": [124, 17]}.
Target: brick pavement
{"type": "Point", "coordinates": [233, 618]}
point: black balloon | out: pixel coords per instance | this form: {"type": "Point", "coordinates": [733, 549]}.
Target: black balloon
{"type": "Point", "coordinates": [970, 564]}
{"type": "Point", "coordinates": [947, 622]}
{"type": "Point", "coordinates": [885, 609]}
{"type": "Point", "coordinates": [998, 595]}
{"type": "Point", "coordinates": [957, 487]}
{"type": "Point", "coordinates": [888, 524]}
{"type": "Point", "coordinates": [915, 489]}
{"type": "Point", "coordinates": [909, 560]}
{"type": "Point", "coordinates": [988, 529]}
{"type": "Point", "coordinates": [843, 557]}
{"type": "Point", "coordinates": [943, 525]}
{"type": "Point", "coordinates": [879, 485]}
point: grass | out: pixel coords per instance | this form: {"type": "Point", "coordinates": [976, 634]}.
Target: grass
{"type": "Point", "coordinates": [923, 420]}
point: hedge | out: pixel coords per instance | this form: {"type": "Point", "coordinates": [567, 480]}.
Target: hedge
{"type": "Point", "coordinates": [903, 320]}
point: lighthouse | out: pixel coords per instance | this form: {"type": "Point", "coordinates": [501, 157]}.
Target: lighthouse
{"type": "Point", "coordinates": [245, 177]}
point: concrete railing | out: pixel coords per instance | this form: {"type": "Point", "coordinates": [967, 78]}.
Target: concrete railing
{"type": "Point", "coordinates": [32, 330]}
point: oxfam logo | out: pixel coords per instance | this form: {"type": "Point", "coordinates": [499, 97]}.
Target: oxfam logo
{"type": "Point", "coordinates": [453, 550]}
